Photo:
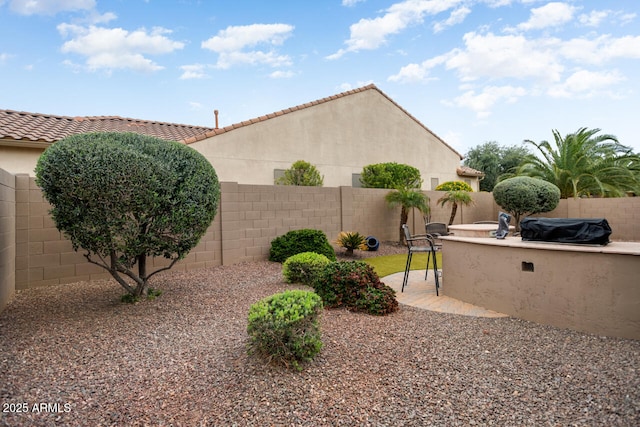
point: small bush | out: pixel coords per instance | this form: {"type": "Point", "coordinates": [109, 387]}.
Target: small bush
{"type": "Point", "coordinates": [298, 241]}
{"type": "Point", "coordinates": [354, 285]}
{"type": "Point", "coordinates": [284, 327]}
{"type": "Point", "coordinates": [351, 240]}
{"type": "Point", "coordinates": [303, 267]}
{"type": "Point", "coordinates": [454, 186]}
{"type": "Point", "coordinates": [377, 300]}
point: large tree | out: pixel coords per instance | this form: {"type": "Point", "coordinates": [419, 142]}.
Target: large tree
{"type": "Point", "coordinates": [494, 160]}
{"type": "Point", "coordinates": [124, 197]}
{"type": "Point", "coordinates": [585, 164]}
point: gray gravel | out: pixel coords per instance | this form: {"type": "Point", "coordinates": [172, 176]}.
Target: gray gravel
{"type": "Point", "coordinates": [181, 360]}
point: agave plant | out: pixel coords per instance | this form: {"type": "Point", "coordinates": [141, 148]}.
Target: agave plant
{"type": "Point", "coordinates": [351, 240]}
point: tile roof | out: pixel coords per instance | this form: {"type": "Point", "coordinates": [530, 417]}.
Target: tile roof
{"type": "Point", "coordinates": [39, 128]}
{"type": "Point", "coordinates": [43, 128]}
{"type": "Point", "coordinates": [467, 171]}
{"type": "Point", "coordinates": [217, 131]}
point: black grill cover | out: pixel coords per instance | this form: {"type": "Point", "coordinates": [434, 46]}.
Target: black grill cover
{"type": "Point", "coordinates": [586, 231]}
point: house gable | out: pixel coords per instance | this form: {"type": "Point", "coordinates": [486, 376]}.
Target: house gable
{"type": "Point", "coordinates": [339, 135]}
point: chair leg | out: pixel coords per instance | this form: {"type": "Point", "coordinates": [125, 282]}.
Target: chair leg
{"type": "Point", "coordinates": [406, 271]}
{"type": "Point", "coordinates": [435, 272]}
{"type": "Point", "coordinates": [426, 273]}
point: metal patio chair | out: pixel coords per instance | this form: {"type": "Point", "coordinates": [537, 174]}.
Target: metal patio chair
{"type": "Point", "coordinates": [414, 246]}
{"type": "Point", "coordinates": [435, 230]}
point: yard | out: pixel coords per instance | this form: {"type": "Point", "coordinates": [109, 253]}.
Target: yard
{"type": "Point", "coordinates": [74, 355]}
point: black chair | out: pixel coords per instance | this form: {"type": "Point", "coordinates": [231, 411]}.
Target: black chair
{"type": "Point", "coordinates": [427, 246]}
{"type": "Point", "coordinates": [435, 230]}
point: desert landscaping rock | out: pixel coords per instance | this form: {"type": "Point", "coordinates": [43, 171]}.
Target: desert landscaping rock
{"type": "Point", "coordinates": [181, 360]}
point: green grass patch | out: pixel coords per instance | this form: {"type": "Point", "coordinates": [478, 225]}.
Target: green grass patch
{"type": "Point", "coordinates": [389, 264]}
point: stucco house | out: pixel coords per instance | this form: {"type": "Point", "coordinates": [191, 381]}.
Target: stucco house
{"type": "Point", "coordinates": [339, 134]}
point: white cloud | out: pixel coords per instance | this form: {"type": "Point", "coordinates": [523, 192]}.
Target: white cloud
{"type": "Point", "coordinates": [585, 83]}
{"type": "Point", "coordinates": [600, 50]}
{"type": "Point", "coordinates": [413, 73]}
{"type": "Point", "coordinates": [193, 71]}
{"type": "Point", "coordinates": [550, 15]}
{"type": "Point", "coordinates": [4, 57]}
{"type": "Point", "coordinates": [195, 106]}
{"type": "Point", "coordinates": [510, 56]}
{"type": "Point", "coordinates": [456, 17]}
{"type": "Point", "coordinates": [49, 7]}
{"type": "Point", "coordinates": [483, 102]}
{"type": "Point", "coordinates": [369, 34]}
{"type": "Point", "coordinates": [594, 18]}
{"type": "Point", "coordinates": [116, 48]}
{"type": "Point", "coordinates": [282, 74]}
{"type": "Point", "coordinates": [231, 42]}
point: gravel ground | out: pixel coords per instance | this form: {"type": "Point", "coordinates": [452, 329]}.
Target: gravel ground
{"type": "Point", "coordinates": [74, 355]}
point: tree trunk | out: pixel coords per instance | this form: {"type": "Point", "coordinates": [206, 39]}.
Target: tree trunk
{"type": "Point", "coordinates": [404, 216]}
{"type": "Point", "coordinates": [454, 210]}
{"type": "Point", "coordinates": [141, 289]}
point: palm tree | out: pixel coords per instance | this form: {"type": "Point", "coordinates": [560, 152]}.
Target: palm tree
{"type": "Point", "coordinates": [407, 199]}
{"type": "Point", "coordinates": [585, 164]}
{"type": "Point", "coordinates": [454, 198]}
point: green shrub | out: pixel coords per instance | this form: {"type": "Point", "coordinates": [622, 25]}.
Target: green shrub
{"type": "Point", "coordinates": [284, 327]}
{"type": "Point", "coordinates": [390, 175]}
{"type": "Point", "coordinates": [298, 241]}
{"type": "Point", "coordinates": [351, 240]}
{"type": "Point", "coordinates": [377, 300]}
{"type": "Point", "coordinates": [303, 267]}
{"type": "Point", "coordinates": [354, 285]}
{"type": "Point", "coordinates": [301, 173]}
{"type": "Point", "coordinates": [454, 186]}
{"type": "Point", "coordinates": [125, 197]}
{"type": "Point", "coordinates": [523, 195]}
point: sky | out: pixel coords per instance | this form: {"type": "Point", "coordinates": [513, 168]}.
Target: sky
{"type": "Point", "coordinates": [472, 71]}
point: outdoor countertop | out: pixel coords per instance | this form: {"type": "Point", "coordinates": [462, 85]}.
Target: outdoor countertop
{"type": "Point", "coordinates": [475, 230]}
{"type": "Point", "coordinates": [624, 248]}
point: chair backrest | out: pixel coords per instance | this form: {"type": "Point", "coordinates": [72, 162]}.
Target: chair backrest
{"type": "Point", "coordinates": [407, 234]}
{"type": "Point", "coordinates": [486, 222]}
{"type": "Point", "coordinates": [437, 228]}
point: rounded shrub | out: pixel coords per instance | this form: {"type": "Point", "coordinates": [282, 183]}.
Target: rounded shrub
{"type": "Point", "coordinates": [454, 186]}
{"type": "Point", "coordinates": [354, 285]}
{"type": "Point", "coordinates": [126, 197]}
{"type": "Point", "coordinates": [303, 267]}
{"type": "Point", "coordinates": [390, 175]}
{"type": "Point", "coordinates": [523, 195]}
{"type": "Point", "coordinates": [284, 328]}
{"type": "Point", "coordinates": [298, 241]}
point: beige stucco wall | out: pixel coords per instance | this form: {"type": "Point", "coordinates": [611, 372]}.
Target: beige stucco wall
{"type": "Point", "coordinates": [7, 237]}
{"type": "Point", "coordinates": [17, 160]}
{"type": "Point", "coordinates": [590, 289]}
{"type": "Point", "coordinates": [339, 137]}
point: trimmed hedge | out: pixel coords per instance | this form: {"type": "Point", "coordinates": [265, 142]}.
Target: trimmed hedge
{"type": "Point", "coordinates": [284, 327]}
{"type": "Point", "coordinates": [303, 267]}
{"type": "Point", "coordinates": [298, 241]}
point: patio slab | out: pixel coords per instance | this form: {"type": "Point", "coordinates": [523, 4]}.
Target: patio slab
{"type": "Point", "coordinates": [422, 294]}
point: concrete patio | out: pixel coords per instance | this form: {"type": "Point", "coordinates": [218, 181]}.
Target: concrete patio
{"type": "Point", "coordinates": [422, 294]}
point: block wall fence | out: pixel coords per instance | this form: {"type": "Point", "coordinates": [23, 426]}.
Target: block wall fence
{"type": "Point", "coordinates": [34, 253]}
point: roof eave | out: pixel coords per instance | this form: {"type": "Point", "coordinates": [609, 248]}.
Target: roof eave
{"type": "Point", "coordinates": [24, 143]}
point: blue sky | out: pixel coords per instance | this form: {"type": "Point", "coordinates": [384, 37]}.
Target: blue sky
{"type": "Point", "coordinates": [470, 70]}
